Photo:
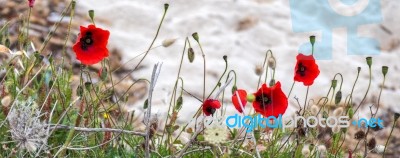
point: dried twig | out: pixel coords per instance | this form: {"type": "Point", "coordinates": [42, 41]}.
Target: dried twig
{"type": "Point", "coordinates": [154, 77]}
{"type": "Point", "coordinates": [82, 129]}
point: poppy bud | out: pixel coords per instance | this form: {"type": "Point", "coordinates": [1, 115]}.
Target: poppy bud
{"type": "Point", "coordinates": [146, 104]}
{"type": "Point", "coordinates": [79, 91]}
{"type": "Point", "coordinates": [259, 70]}
{"type": "Point", "coordinates": [334, 83]}
{"type": "Point", "coordinates": [91, 14]}
{"type": "Point", "coordinates": [272, 63]}
{"type": "Point", "coordinates": [190, 55]}
{"type": "Point", "coordinates": [396, 116]}
{"type": "Point", "coordinates": [73, 4]}
{"type": "Point", "coordinates": [103, 74]}
{"type": "Point", "coordinates": [358, 69]}
{"type": "Point", "coordinates": [166, 5]}
{"type": "Point", "coordinates": [88, 85]}
{"type": "Point", "coordinates": [251, 97]}
{"type": "Point", "coordinates": [225, 58]}
{"type": "Point", "coordinates": [312, 39]}
{"type": "Point", "coordinates": [369, 61]}
{"type": "Point", "coordinates": [234, 88]}
{"type": "Point", "coordinates": [195, 36]}
{"type": "Point", "coordinates": [168, 42]}
{"type": "Point", "coordinates": [272, 82]}
{"type": "Point", "coordinates": [350, 112]}
{"type": "Point", "coordinates": [385, 70]}
{"type": "Point", "coordinates": [338, 97]}
{"type": "Point", "coordinates": [179, 103]}
{"type": "Point", "coordinates": [31, 3]}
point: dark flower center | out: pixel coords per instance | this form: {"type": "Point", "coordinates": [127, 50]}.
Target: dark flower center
{"type": "Point", "coordinates": [263, 100]}
{"type": "Point", "coordinates": [210, 110]}
{"type": "Point", "coordinates": [301, 69]}
{"type": "Point", "coordinates": [86, 41]}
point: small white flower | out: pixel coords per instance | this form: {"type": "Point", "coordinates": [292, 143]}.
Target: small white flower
{"type": "Point", "coordinates": [216, 135]}
{"type": "Point", "coordinates": [168, 42]}
{"type": "Point", "coordinates": [379, 149]}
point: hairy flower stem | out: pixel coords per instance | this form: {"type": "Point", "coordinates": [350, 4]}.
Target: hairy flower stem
{"type": "Point", "coordinates": [266, 69]}
{"type": "Point", "coordinates": [155, 37]}
{"type": "Point", "coordinates": [366, 93]}
{"type": "Point", "coordinates": [54, 28]}
{"type": "Point", "coordinates": [387, 140]}
{"type": "Point", "coordinates": [173, 96]}
{"type": "Point", "coordinates": [291, 88]}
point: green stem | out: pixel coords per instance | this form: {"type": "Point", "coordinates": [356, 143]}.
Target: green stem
{"type": "Point", "coordinates": [387, 141]}
{"type": "Point", "coordinates": [154, 39]}
{"type": "Point", "coordinates": [366, 93]}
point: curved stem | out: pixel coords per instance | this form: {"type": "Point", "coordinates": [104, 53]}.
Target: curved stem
{"type": "Point", "coordinates": [366, 93]}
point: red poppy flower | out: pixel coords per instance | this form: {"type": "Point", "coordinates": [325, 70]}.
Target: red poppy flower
{"type": "Point", "coordinates": [243, 99]}
{"type": "Point", "coordinates": [91, 46]}
{"type": "Point", "coordinates": [210, 105]}
{"type": "Point", "coordinates": [31, 3]}
{"type": "Point", "coordinates": [306, 70]}
{"type": "Point", "coordinates": [270, 101]}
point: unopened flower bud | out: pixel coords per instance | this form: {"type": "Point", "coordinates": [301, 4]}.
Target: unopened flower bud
{"type": "Point", "coordinates": [168, 42]}
{"type": "Point", "coordinates": [334, 83]}
{"type": "Point", "coordinates": [190, 55]}
{"type": "Point", "coordinates": [369, 61]}
{"type": "Point", "coordinates": [350, 112]}
{"type": "Point", "coordinates": [338, 97]}
{"type": "Point", "coordinates": [195, 36]}
{"type": "Point", "coordinates": [272, 63]}
{"type": "Point", "coordinates": [91, 15]}
{"type": "Point", "coordinates": [385, 70]}
{"type": "Point", "coordinates": [234, 88]}
{"type": "Point", "coordinates": [225, 58]}
{"type": "Point", "coordinates": [259, 70]}
{"type": "Point", "coordinates": [31, 3]}
{"type": "Point", "coordinates": [250, 98]}
{"type": "Point", "coordinates": [312, 39]}
{"type": "Point", "coordinates": [272, 82]}
{"type": "Point", "coordinates": [358, 69]}
{"type": "Point", "coordinates": [166, 5]}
